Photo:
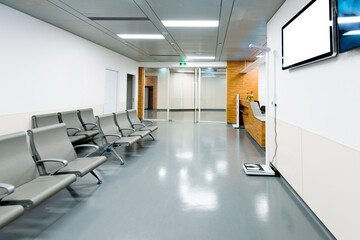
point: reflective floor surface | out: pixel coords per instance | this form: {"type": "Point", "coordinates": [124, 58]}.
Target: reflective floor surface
{"type": "Point", "coordinates": [188, 184]}
{"type": "Point", "coordinates": [213, 116]}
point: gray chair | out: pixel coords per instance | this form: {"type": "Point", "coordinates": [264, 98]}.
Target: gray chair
{"type": "Point", "coordinates": [8, 213]}
{"type": "Point", "coordinates": [52, 119]}
{"type": "Point", "coordinates": [125, 127]}
{"type": "Point", "coordinates": [140, 125]}
{"type": "Point", "coordinates": [87, 118]}
{"type": "Point", "coordinates": [111, 136]}
{"type": "Point", "coordinates": [72, 121]}
{"type": "Point", "coordinates": [53, 142]}
{"type": "Point", "coordinates": [18, 169]}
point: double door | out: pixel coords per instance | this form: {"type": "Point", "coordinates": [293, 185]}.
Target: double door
{"type": "Point", "coordinates": [185, 94]}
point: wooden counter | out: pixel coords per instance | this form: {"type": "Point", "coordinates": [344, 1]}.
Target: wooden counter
{"type": "Point", "coordinates": [253, 126]}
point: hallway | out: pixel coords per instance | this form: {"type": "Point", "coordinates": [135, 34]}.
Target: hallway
{"type": "Point", "coordinates": [188, 184]}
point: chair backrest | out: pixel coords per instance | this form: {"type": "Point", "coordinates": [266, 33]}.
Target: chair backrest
{"type": "Point", "coordinates": [87, 116]}
{"type": "Point", "coordinates": [51, 142]}
{"type": "Point", "coordinates": [71, 119]}
{"type": "Point", "coordinates": [16, 164]}
{"type": "Point", "coordinates": [256, 109]}
{"type": "Point", "coordinates": [122, 120]}
{"type": "Point", "coordinates": [45, 120]}
{"type": "Point", "coordinates": [106, 124]}
{"type": "Point", "coordinates": [133, 117]}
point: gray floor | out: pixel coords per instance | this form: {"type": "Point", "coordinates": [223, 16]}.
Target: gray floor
{"type": "Point", "coordinates": [188, 184]}
{"type": "Point", "coordinates": [213, 116]}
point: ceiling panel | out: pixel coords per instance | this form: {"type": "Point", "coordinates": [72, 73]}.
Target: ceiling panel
{"type": "Point", "coordinates": [152, 47]}
{"type": "Point", "coordinates": [129, 27]}
{"type": "Point", "coordinates": [186, 9]}
{"type": "Point", "coordinates": [194, 41]}
{"type": "Point", "coordinates": [105, 8]}
{"type": "Point", "coordinates": [247, 24]}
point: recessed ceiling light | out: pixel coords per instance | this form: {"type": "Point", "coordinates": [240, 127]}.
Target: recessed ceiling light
{"type": "Point", "coordinates": [200, 57]}
{"type": "Point", "coordinates": [141, 36]}
{"type": "Point", "coordinates": [171, 23]}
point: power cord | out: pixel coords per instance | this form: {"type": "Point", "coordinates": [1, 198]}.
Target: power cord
{"type": "Point", "coordinates": [276, 143]}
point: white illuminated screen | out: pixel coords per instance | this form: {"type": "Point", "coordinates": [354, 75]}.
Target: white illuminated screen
{"type": "Point", "coordinates": [307, 36]}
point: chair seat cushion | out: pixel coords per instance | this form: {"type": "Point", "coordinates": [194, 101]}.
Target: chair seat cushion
{"type": "Point", "coordinates": [34, 192]}
{"type": "Point", "coordinates": [9, 214]}
{"type": "Point", "coordinates": [140, 133]}
{"type": "Point", "coordinates": [81, 166]}
{"type": "Point", "coordinates": [127, 140]}
{"type": "Point", "coordinates": [149, 128]}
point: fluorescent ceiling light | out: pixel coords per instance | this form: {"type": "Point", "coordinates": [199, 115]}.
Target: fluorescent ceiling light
{"type": "Point", "coordinates": [342, 20]}
{"type": "Point", "coordinates": [170, 23]}
{"type": "Point", "coordinates": [185, 71]}
{"type": "Point", "coordinates": [199, 57]}
{"type": "Point", "coordinates": [141, 36]}
{"type": "Point", "coordinates": [355, 32]}
{"type": "Point", "coordinates": [259, 56]}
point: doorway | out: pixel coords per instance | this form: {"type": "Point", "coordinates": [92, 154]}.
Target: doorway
{"type": "Point", "coordinates": [130, 101]}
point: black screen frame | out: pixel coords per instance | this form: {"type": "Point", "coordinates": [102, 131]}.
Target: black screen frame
{"type": "Point", "coordinates": [332, 36]}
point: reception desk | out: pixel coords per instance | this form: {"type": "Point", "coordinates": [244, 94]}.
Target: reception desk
{"type": "Point", "coordinates": [254, 121]}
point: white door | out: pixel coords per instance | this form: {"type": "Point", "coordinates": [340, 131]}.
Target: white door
{"type": "Point", "coordinates": [110, 102]}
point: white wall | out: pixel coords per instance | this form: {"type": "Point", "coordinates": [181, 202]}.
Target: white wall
{"type": "Point", "coordinates": [45, 69]}
{"type": "Point", "coordinates": [318, 129]}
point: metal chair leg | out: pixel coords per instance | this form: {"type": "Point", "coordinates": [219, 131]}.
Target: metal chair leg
{"type": "Point", "coordinates": [113, 151]}
{"type": "Point", "coordinates": [152, 136]}
{"type": "Point", "coordinates": [94, 174]}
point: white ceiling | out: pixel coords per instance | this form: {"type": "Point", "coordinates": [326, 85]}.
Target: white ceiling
{"type": "Point", "coordinates": [241, 22]}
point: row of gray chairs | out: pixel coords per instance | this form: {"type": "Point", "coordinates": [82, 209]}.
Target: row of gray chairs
{"type": "Point", "coordinates": [122, 129]}
{"type": "Point", "coordinates": [80, 124]}
{"type": "Point", "coordinates": [24, 184]}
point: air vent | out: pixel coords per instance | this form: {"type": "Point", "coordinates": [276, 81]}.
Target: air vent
{"type": "Point", "coordinates": [119, 18]}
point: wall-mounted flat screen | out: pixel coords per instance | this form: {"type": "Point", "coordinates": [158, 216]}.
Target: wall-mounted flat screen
{"type": "Point", "coordinates": [309, 36]}
{"type": "Point", "coordinates": [349, 24]}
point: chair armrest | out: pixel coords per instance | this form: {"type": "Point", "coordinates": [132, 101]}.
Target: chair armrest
{"type": "Point", "coordinates": [76, 131]}
{"type": "Point", "coordinates": [9, 189]}
{"type": "Point", "coordinates": [139, 124]}
{"type": "Point", "coordinates": [64, 162]}
{"type": "Point", "coordinates": [147, 121]}
{"type": "Point", "coordinates": [112, 135]}
{"type": "Point", "coordinates": [128, 129]}
{"type": "Point", "coordinates": [87, 146]}
{"type": "Point", "coordinates": [93, 124]}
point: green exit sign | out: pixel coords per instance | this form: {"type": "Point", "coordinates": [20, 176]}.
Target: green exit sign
{"type": "Point", "coordinates": [182, 64]}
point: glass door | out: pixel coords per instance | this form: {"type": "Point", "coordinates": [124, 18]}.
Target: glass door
{"type": "Point", "coordinates": [212, 95]}
{"type": "Point", "coordinates": [156, 94]}
{"type": "Point", "coordinates": [182, 94]}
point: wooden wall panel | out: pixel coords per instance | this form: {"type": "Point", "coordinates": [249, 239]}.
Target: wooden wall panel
{"type": "Point", "coordinates": [141, 75]}
{"type": "Point", "coordinates": [253, 126]}
{"type": "Point", "coordinates": [239, 83]}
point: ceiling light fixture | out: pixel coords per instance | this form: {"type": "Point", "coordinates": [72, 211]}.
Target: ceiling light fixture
{"type": "Point", "coordinates": [200, 57]}
{"type": "Point", "coordinates": [174, 23]}
{"type": "Point", "coordinates": [141, 36]}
